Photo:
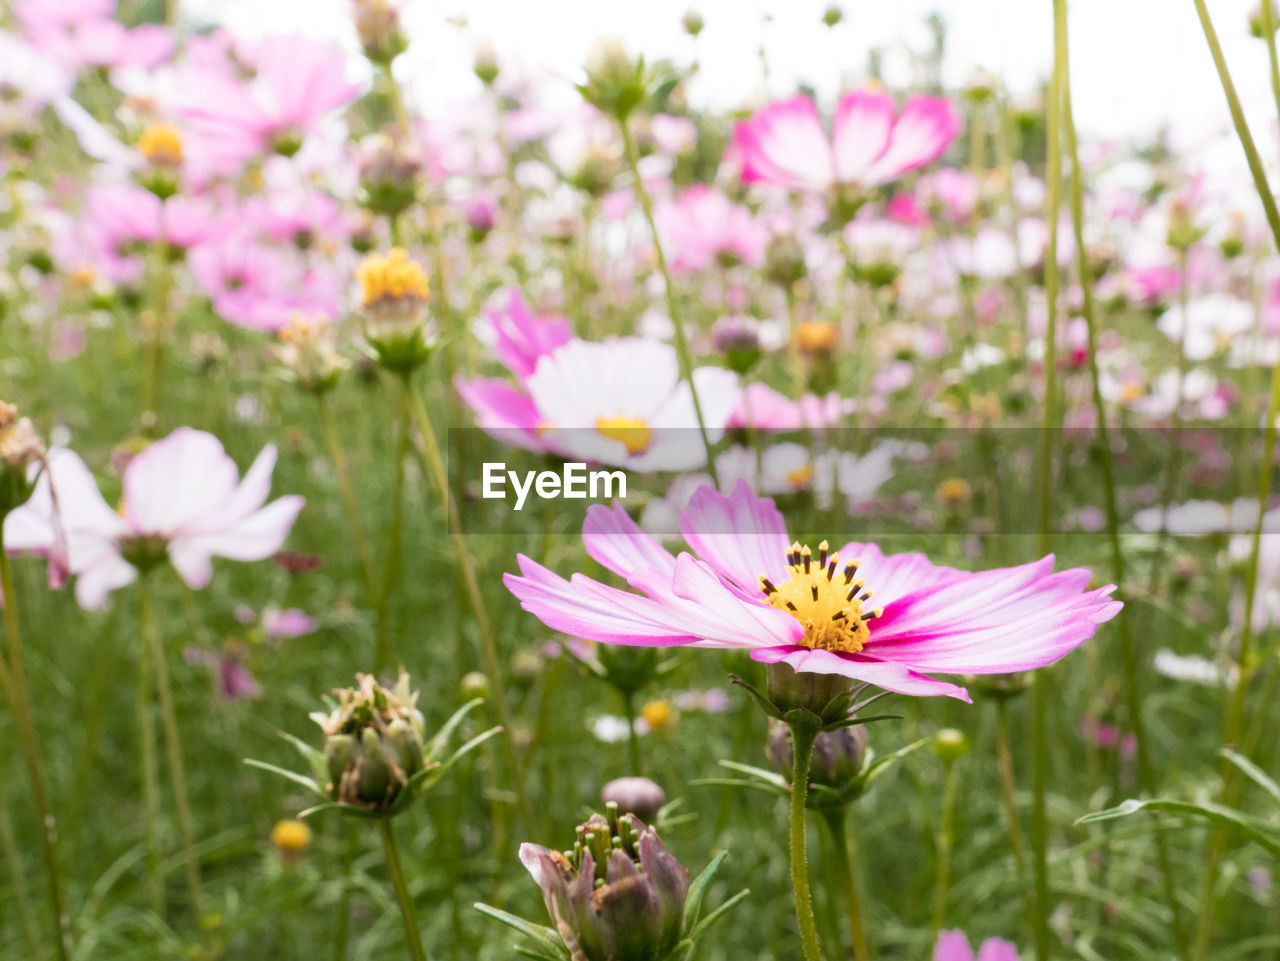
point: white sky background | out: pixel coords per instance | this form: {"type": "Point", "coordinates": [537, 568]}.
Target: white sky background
{"type": "Point", "coordinates": [1137, 65]}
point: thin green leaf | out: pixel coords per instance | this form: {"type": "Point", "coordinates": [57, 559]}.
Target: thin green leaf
{"type": "Point", "coordinates": [698, 889]}
{"type": "Point", "coordinates": [1253, 772]}
{"type": "Point", "coordinates": [441, 738]}
{"type": "Point", "coordinates": [294, 776]}
{"type": "Point", "coordinates": [440, 770]}
{"type": "Point", "coordinates": [546, 937]}
{"type": "Point", "coordinates": [701, 928]}
{"type": "Point", "coordinates": [1214, 813]}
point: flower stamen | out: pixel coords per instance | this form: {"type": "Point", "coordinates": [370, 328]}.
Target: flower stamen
{"type": "Point", "coordinates": [830, 609]}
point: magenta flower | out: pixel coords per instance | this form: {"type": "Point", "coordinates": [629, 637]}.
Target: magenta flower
{"type": "Point", "coordinates": [786, 145]}
{"type": "Point", "coordinates": [299, 83]}
{"type": "Point", "coordinates": [748, 586]}
{"type": "Point", "coordinates": [184, 502]}
{"type": "Point", "coordinates": [954, 946]}
{"type": "Point", "coordinates": [702, 228]}
{"type": "Point", "coordinates": [521, 338]}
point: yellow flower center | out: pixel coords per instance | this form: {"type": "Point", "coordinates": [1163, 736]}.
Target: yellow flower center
{"type": "Point", "coordinates": [954, 491]}
{"type": "Point", "coordinates": [630, 431]}
{"type": "Point", "coordinates": [290, 837]}
{"type": "Point", "coordinates": [658, 714]}
{"type": "Point", "coordinates": [817, 337]}
{"type": "Point", "coordinates": [825, 597]}
{"type": "Point", "coordinates": [801, 476]}
{"type": "Point", "coordinates": [82, 277]}
{"type": "Point", "coordinates": [391, 277]}
{"type": "Point", "coordinates": [161, 144]}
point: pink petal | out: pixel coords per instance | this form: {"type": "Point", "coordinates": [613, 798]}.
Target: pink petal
{"type": "Point", "coordinates": [742, 536]}
{"type": "Point", "coordinates": [923, 132]}
{"type": "Point", "coordinates": [177, 481]}
{"type": "Point", "coordinates": [617, 542]}
{"type": "Point", "coordinates": [784, 144]}
{"type": "Point", "coordinates": [997, 949]}
{"type": "Point", "coordinates": [860, 132]}
{"type": "Point", "coordinates": [862, 666]}
{"type": "Point", "coordinates": [952, 946]}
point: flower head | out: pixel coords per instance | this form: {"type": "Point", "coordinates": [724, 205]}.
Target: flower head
{"type": "Point", "coordinates": [954, 946]}
{"type": "Point", "coordinates": [888, 620]}
{"type": "Point", "coordinates": [618, 895]}
{"type": "Point", "coordinates": [394, 293]}
{"type": "Point", "coordinates": [21, 449]}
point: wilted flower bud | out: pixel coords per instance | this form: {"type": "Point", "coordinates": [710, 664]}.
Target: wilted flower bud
{"type": "Point", "coordinates": [390, 173]}
{"type": "Point", "coordinates": [837, 755]}
{"type": "Point", "coordinates": [738, 338]}
{"type": "Point", "coordinates": [394, 293]}
{"type": "Point", "coordinates": [486, 64]}
{"type": "Point", "coordinates": [617, 82]}
{"type": "Point", "coordinates": [374, 743]}
{"type": "Point", "coordinates": [20, 448]}
{"type": "Point", "coordinates": [692, 23]}
{"type": "Point", "coordinates": [618, 895]}
{"type": "Point", "coordinates": [634, 795]}
{"type": "Point", "coordinates": [784, 262]}
{"type": "Point", "coordinates": [308, 349]}
{"type": "Point", "coordinates": [378, 26]}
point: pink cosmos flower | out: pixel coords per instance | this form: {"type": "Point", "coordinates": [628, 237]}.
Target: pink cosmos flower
{"type": "Point", "coordinates": [232, 679]}
{"type": "Point", "coordinates": [299, 83]}
{"type": "Point", "coordinates": [82, 33]}
{"type": "Point", "coordinates": [121, 217]}
{"type": "Point", "coordinates": [614, 402]}
{"type": "Point", "coordinates": [954, 946]}
{"type": "Point", "coordinates": [522, 338]}
{"type": "Point", "coordinates": [702, 228]}
{"type": "Point", "coordinates": [260, 287]}
{"type": "Point", "coordinates": [183, 501]}
{"type": "Point", "coordinates": [748, 586]}
{"type": "Point", "coordinates": [786, 145]}
{"type": "Point", "coordinates": [764, 408]}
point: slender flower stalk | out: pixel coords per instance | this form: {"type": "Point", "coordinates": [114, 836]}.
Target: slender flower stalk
{"type": "Point", "coordinates": [1004, 757]}
{"type": "Point", "coordinates": [633, 738]}
{"type": "Point", "coordinates": [14, 865]}
{"type": "Point", "coordinates": [942, 877]}
{"type": "Point", "coordinates": [395, 868]}
{"type": "Point", "coordinates": [835, 820]}
{"type": "Point", "coordinates": [1128, 647]}
{"type": "Point", "coordinates": [392, 565]}
{"type": "Point", "coordinates": [677, 319]}
{"type": "Point", "coordinates": [1234, 720]}
{"type": "Point", "coordinates": [802, 737]}
{"type": "Point", "coordinates": [173, 744]}
{"type": "Point", "coordinates": [145, 708]}
{"type": "Point", "coordinates": [339, 460]}
{"type": "Point", "coordinates": [13, 678]}
{"type": "Point", "coordinates": [1039, 691]}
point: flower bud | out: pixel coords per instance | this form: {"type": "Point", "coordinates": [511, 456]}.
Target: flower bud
{"type": "Point", "coordinates": [617, 81]}
{"type": "Point", "coordinates": [784, 262]}
{"type": "Point", "coordinates": [832, 15]}
{"type": "Point", "coordinates": [788, 690]}
{"type": "Point", "coordinates": [628, 668]}
{"type": "Point", "coordinates": [634, 795]}
{"type": "Point", "coordinates": [738, 338]}
{"type": "Point", "coordinates": [390, 174]}
{"type": "Point", "coordinates": [950, 745]}
{"type": "Point", "coordinates": [378, 26]}
{"type": "Point", "coordinates": [394, 296]}
{"type": "Point", "coordinates": [618, 895]}
{"type": "Point", "coordinates": [486, 66]}
{"type": "Point", "coordinates": [308, 349]}
{"type": "Point", "coordinates": [161, 145]}
{"type": "Point", "coordinates": [474, 684]}
{"type": "Point", "coordinates": [837, 755]}
{"type": "Point", "coordinates": [692, 23]}
{"type": "Point", "coordinates": [374, 742]}
{"type": "Point", "coordinates": [20, 448]}
{"type": "Point", "coordinates": [481, 213]}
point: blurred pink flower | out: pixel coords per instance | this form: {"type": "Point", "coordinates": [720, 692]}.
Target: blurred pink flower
{"type": "Point", "coordinates": [120, 218]}
{"type": "Point", "coordinates": [764, 408]}
{"type": "Point", "coordinates": [702, 228]}
{"type": "Point", "coordinates": [521, 338]}
{"type": "Point", "coordinates": [233, 679]}
{"type": "Point", "coordinates": [749, 587]}
{"type": "Point", "coordinates": [299, 82]}
{"type": "Point", "coordinates": [260, 287]}
{"type": "Point", "coordinates": [183, 502]}
{"type": "Point", "coordinates": [954, 946]}
{"type": "Point", "coordinates": [785, 144]}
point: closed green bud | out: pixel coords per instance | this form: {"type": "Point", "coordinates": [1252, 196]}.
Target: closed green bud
{"type": "Point", "coordinates": [950, 744]}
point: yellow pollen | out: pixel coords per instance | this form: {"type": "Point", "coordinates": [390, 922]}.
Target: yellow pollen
{"type": "Point", "coordinates": [391, 277]}
{"type": "Point", "coordinates": [826, 597]}
{"type": "Point", "coordinates": [161, 144]}
{"type": "Point", "coordinates": [631, 431]}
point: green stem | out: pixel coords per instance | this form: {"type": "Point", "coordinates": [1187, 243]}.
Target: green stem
{"type": "Point", "coordinates": [802, 738]}
{"type": "Point", "coordinates": [435, 469]}
{"type": "Point", "coordinates": [1039, 692]}
{"type": "Point", "coordinates": [150, 780]}
{"type": "Point", "coordinates": [392, 566]}
{"type": "Point", "coordinates": [15, 685]}
{"type": "Point", "coordinates": [340, 935]}
{"type": "Point", "coordinates": [1234, 720]}
{"type": "Point", "coordinates": [395, 869]}
{"type": "Point", "coordinates": [942, 879]}
{"type": "Point", "coordinates": [1128, 647]}
{"type": "Point", "coordinates": [835, 819]}
{"type": "Point", "coordinates": [669, 289]}
{"type": "Point", "coordinates": [339, 461]}
{"type": "Point", "coordinates": [173, 747]}
{"type": "Point", "coordinates": [633, 739]}
{"type": "Point", "coordinates": [1004, 757]}
{"type": "Point", "coordinates": [14, 863]}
